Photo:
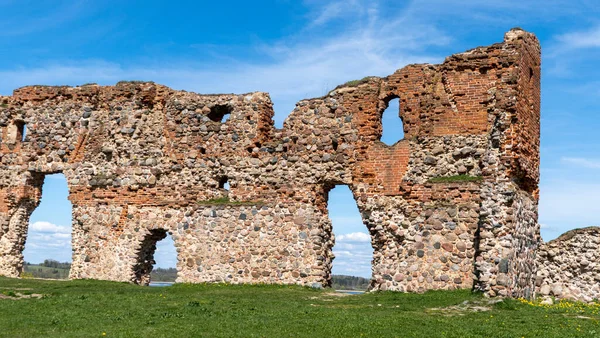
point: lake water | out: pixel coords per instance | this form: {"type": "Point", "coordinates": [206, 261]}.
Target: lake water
{"type": "Point", "coordinates": [351, 292]}
{"type": "Point", "coordinates": [161, 284]}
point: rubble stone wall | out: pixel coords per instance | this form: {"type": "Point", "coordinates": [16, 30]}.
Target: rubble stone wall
{"type": "Point", "coordinates": [569, 266]}
{"type": "Point", "coordinates": [142, 160]}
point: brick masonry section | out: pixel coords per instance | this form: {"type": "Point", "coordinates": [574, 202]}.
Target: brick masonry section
{"type": "Point", "coordinates": [142, 160]}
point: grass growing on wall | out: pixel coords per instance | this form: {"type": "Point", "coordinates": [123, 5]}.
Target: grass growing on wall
{"type": "Point", "coordinates": [227, 201]}
{"type": "Point", "coordinates": [455, 179]}
{"type": "Point", "coordinates": [86, 308]}
{"type": "Point", "coordinates": [354, 83]}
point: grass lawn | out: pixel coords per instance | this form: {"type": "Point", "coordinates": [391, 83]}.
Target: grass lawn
{"type": "Point", "coordinates": [96, 309]}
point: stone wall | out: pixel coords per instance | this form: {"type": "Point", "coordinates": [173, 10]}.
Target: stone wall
{"type": "Point", "coordinates": [569, 266]}
{"type": "Point", "coordinates": [142, 160]}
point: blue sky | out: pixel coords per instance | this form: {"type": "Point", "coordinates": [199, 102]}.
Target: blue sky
{"type": "Point", "coordinates": [300, 49]}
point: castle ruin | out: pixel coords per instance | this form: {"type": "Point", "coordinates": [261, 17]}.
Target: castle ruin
{"type": "Point", "coordinates": [452, 205]}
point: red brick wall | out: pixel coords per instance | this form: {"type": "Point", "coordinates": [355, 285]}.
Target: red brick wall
{"type": "Point", "coordinates": [525, 120]}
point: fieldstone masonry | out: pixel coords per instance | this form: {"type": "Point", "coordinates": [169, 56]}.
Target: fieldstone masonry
{"type": "Point", "coordinates": [142, 160]}
{"type": "Point", "coordinates": [569, 266]}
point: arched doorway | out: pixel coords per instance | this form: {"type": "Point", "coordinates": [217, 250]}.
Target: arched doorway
{"type": "Point", "coordinates": [352, 265]}
{"type": "Point", "coordinates": [47, 249]}
{"type": "Point", "coordinates": [149, 251]}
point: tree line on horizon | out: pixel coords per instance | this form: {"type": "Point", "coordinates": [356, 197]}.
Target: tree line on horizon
{"type": "Point", "coordinates": [53, 269]}
{"type": "Point", "coordinates": [49, 269]}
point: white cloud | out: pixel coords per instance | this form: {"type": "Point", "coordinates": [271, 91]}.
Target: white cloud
{"type": "Point", "coordinates": [582, 39]}
{"type": "Point", "coordinates": [354, 237]}
{"type": "Point", "coordinates": [582, 162]}
{"type": "Point", "coordinates": [165, 254]}
{"type": "Point", "coordinates": [353, 254]}
{"type": "Point", "coordinates": [566, 57]}
{"type": "Point", "coordinates": [46, 240]}
{"type": "Point", "coordinates": [344, 246]}
{"type": "Point", "coordinates": [57, 244]}
{"type": "Point", "coordinates": [298, 68]}
{"type": "Point", "coordinates": [47, 227]}
{"type": "Point", "coordinates": [354, 260]}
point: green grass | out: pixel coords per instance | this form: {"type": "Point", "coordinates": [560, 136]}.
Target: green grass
{"type": "Point", "coordinates": [134, 82]}
{"type": "Point", "coordinates": [354, 83]}
{"type": "Point", "coordinates": [93, 308]}
{"type": "Point", "coordinates": [227, 201]}
{"type": "Point", "coordinates": [455, 179]}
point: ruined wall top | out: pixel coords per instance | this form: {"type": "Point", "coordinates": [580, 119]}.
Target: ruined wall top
{"type": "Point", "coordinates": [451, 205]}
{"type": "Point", "coordinates": [133, 136]}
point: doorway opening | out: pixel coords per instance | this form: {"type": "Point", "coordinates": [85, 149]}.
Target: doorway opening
{"type": "Point", "coordinates": [165, 268]}
{"type": "Point", "coordinates": [157, 259]}
{"type": "Point", "coordinates": [391, 123]}
{"type": "Point", "coordinates": [352, 265]}
{"type": "Point", "coordinates": [47, 252]}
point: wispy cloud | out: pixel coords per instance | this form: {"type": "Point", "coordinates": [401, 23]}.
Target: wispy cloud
{"type": "Point", "coordinates": [46, 240]}
{"type": "Point", "coordinates": [353, 254]}
{"type": "Point", "coordinates": [582, 39]}
{"type": "Point", "coordinates": [571, 52]}
{"type": "Point", "coordinates": [582, 162]}
{"type": "Point", "coordinates": [354, 260]}
{"type": "Point", "coordinates": [299, 69]}
{"type": "Point", "coordinates": [165, 254]}
{"type": "Point", "coordinates": [331, 11]}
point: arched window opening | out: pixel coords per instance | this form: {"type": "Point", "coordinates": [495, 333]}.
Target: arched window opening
{"type": "Point", "coordinates": [16, 132]}
{"type": "Point", "coordinates": [148, 250]}
{"type": "Point", "coordinates": [392, 126]}
{"type": "Point", "coordinates": [530, 73]}
{"type": "Point", "coordinates": [47, 252]}
{"type": "Point", "coordinates": [23, 132]}
{"type": "Point", "coordinates": [220, 113]}
{"type": "Point", "coordinates": [165, 267]}
{"type": "Point", "coordinates": [352, 265]}
{"type": "Point", "coordinates": [224, 183]}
